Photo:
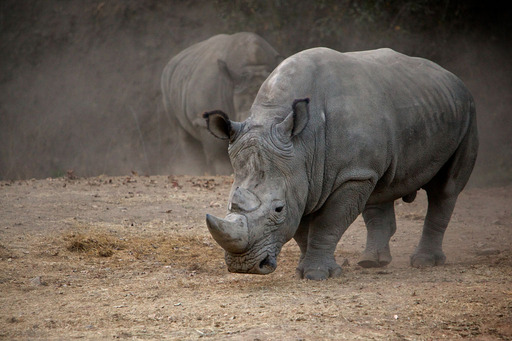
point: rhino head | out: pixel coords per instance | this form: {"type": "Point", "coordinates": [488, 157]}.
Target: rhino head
{"type": "Point", "coordinates": [246, 81]}
{"type": "Point", "coordinates": [248, 61]}
{"type": "Point", "coordinates": [270, 185]}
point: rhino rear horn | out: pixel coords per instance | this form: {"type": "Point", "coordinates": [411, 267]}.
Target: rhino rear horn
{"type": "Point", "coordinates": [219, 124]}
{"type": "Point", "coordinates": [244, 200]}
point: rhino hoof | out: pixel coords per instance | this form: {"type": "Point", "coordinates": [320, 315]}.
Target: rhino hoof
{"type": "Point", "coordinates": [421, 260]}
{"type": "Point", "coordinates": [316, 275]}
{"type": "Point", "coordinates": [375, 260]}
{"type": "Point", "coordinates": [320, 274]}
{"type": "Point", "coordinates": [369, 263]}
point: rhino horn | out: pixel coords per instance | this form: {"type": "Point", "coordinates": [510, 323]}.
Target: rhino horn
{"type": "Point", "coordinates": [230, 233]}
{"type": "Point", "coordinates": [244, 200]}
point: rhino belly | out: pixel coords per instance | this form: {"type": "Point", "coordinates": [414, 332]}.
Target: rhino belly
{"type": "Point", "coordinates": [407, 181]}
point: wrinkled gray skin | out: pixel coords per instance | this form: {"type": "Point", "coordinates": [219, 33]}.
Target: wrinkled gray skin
{"type": "Point", "coordinates": [223, 72]}
{"type": "Point", "coordinates": [378, 126]}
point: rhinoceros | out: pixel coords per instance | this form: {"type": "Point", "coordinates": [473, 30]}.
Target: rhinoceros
{"type": "Point", "coordinates": [225, 72]}
{"type": "Point", "coordinates": [332, 135]}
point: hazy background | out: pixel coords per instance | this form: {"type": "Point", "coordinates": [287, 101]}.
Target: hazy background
{"type": "Point", "coordinates": [79, 80]}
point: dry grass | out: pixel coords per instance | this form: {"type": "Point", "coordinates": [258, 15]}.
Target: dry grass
{"type": "Point", "coordinates": [188, 251]}
{"type": "Point", "coordinates": [102, 245]}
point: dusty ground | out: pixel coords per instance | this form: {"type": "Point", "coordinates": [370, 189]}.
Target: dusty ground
{"type": "Point", "coordinates": [130, 257]}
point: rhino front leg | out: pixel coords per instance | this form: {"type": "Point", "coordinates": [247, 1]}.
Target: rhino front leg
{"type": "Point", "coordinates": [301, 237]}
{"type": "Point", "coordinates": [381, 225]}
{"type": "Point", "coordinates": [188, 157]}
{"type": "Point", "coordinates": [328, 225]}
{"type": "Point", "coordinates": [429, 251]}
{"type": "Point", "coordinates": [216, 154]}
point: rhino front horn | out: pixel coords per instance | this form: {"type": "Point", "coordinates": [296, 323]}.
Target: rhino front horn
{"type": "Point", "coordinates": [230, 233]}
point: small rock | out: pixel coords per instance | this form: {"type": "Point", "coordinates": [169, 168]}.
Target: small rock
{"type": "Point", "coordinates": [37, 281]}
{"type": "Point", "coordinates": [13, 319]}
{"type": "Point", "coordinates": [215, 204]}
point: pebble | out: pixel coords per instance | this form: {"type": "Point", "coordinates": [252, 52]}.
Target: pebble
{"type": "Point", "coordinates": [37, 281]}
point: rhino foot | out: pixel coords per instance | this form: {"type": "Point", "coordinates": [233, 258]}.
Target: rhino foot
{"type": "Point", "coordinates": [422, 259]}
{"type": "Point", "coordinates": [318, 271]}
{"type": "Point", "coordinates": [375, 259]}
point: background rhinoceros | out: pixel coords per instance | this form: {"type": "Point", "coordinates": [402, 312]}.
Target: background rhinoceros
{"type": "Point", "coordinates": [332, 135]}
{"type": "Point", "coordinates": [223, 72]}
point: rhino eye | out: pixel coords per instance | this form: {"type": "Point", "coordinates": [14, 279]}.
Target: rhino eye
{"type": "Point", "coordinates": [279, 209]}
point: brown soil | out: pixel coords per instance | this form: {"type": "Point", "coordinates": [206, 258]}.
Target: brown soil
{"type": "Point", "coordinates": [130, 257]}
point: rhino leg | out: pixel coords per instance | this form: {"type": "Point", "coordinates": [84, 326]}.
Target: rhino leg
{"type": "Point", "coordinates": [188, 158]}
{"type": "Point", "coordinates": [216, 154]}
{"type": "Point", "coordinates": [442, 192]}
{"type": "Point", "coordinates": [328, 225]}
{"type": "Point", "coordinates": [429, 251]}
{"type": "Point", "coordinates": [381, 225]}
{"type": "Point", "coordinates": [301, 237]}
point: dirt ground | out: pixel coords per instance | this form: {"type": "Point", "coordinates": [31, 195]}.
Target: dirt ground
{"type": "Point", "coordinates": [131, 258]}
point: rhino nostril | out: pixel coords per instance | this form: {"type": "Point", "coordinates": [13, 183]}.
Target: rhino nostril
{"type": "Point", "coordinates": [268, 262]}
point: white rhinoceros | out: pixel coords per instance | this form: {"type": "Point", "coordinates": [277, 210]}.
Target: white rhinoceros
{"type": "Point", "coordinates": [223, 72]}
{"type": "Point", "coordinates": [332, 135]}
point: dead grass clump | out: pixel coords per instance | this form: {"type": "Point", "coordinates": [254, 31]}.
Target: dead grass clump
{"type": "Point", "coordinates": [102, 245]}
{"type": "Point", "coordinates": [188, 251]}
{"type": "Point", "coordinates": [191, 252]}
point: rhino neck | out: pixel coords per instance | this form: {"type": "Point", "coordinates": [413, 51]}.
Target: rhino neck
{"type": "Point", "coordinates": [315, 160]}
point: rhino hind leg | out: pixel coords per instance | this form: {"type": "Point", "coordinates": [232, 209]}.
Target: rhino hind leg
{"type": "Point", "coordinates": [429, 251]}
{"type": "Point", "coordinates": [381, 225]}
{"type": "Point", "coordinates": [442, 192]}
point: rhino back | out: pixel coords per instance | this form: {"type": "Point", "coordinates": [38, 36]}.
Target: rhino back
{"type": "Point", "coordinates": [384, 115]}
{"type": "Point", "coordinates": [429, 114]}
{"type": "Point", "coordinates": [249, 49]}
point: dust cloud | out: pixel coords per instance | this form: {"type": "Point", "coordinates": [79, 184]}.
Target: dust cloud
{"type": "Point", "coordinates": [79, 81]}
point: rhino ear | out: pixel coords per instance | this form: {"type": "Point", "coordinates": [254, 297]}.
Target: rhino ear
{"type": "Point", "coordinates": [223, 68]}
{"type": "Point", "coordinates": [297, 120]}
{"type": "Point", "coordinates": [219, 124]}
